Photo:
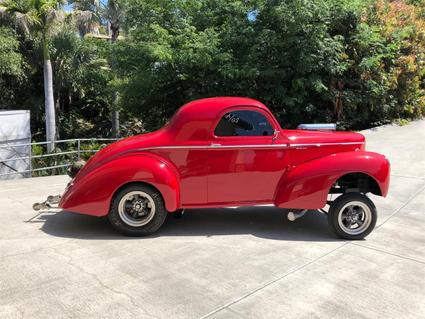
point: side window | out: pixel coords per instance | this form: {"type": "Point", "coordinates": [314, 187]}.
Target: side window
{"type": "Point", "coordinates": [243, 123]}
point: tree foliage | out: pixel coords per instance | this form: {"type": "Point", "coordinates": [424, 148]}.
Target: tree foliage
{"type": "Point", "coordinates": [12, 64]}
{"type": "Point", "coordinates": [358, 63]}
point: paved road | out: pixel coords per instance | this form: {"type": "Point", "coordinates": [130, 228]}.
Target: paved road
{"type": "Point", "coordinates": [228, 263]}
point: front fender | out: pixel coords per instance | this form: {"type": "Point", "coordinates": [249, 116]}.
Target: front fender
{"type": "Point", "coordinates": [307, 185]}
{"type": "Point", "coordinates": [92, 193]}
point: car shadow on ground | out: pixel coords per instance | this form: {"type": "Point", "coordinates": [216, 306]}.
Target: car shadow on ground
{"type": "Point", "coordinates": [264, 222]}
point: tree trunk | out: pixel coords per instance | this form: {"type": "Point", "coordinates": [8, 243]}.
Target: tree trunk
{"type": "Point", "coordinates": [114, 29]}
{"type": "Point", "coordinates": [115, 123]}
{"type": "Point", "coordinates": [49, 105]}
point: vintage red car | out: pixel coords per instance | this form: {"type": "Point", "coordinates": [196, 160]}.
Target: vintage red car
{"type": "Point", "coordinates": [230, 151]}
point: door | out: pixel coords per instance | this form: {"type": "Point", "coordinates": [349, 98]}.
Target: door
{"type": "Point", "coordinates": [245, 165]}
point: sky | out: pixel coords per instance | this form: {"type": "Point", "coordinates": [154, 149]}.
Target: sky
{"type": "Point", "coordinates": [68, 7]}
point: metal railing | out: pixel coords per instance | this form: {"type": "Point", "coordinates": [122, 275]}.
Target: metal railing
{"type": "Point", "coordinates": [78, 142]}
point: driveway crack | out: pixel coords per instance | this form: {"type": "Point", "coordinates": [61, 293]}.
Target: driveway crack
{"type": "Point", "coordinates": [35, 250]}
{"type": "Point", "coordinates": [420, 189]}
{"type": "Point", "coordinates": [271, 282]}
{"type": "Point", "coordinates": [101, 283]}
{"type": "Point", "coordinates": [389, 253]}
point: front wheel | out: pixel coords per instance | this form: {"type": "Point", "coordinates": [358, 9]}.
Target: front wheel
{"type": "Point", "coordinates": [137, 210]}
{"type": "Point", "coordinates": [352, 216]}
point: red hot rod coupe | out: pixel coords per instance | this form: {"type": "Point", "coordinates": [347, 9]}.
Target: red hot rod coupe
{"type": "Point", "coordinates": [231, 151]}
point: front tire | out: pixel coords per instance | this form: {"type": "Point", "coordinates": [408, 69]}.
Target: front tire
{"type": "Point", "coordinates": [352, 216]}
{"type": "Point", "coordinates": [137, 210]}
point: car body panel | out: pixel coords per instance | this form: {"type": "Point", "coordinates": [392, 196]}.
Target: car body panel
{"type": "Point", "coordinates": [192, 167]}
{"type": "Point", "coordinates": [93, 192]}
{"type": "Point", "coordinates": [306, 186]}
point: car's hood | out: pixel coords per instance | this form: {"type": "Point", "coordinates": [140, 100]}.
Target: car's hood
{"type": "Point", "coordinates": [322, 137]}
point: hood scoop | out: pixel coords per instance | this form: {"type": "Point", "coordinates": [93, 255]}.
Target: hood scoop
{"type": "Point", "coordinates": [317, 127]}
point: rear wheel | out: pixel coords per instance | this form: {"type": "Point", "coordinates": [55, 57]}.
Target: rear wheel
{"type": "Point", "coordinates": [137, 210]}
{"type": "Point", "coordinates": [352, 216]}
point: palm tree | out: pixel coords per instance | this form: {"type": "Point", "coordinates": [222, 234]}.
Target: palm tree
{"type": "Point", "coordinates": [113, 12]}
{"type": "Point", "coordinates": [38, 19]}
{"type": "Point", "coordinates": [85, 11]}
{"type": "Point", "coordinates": [85, 15]}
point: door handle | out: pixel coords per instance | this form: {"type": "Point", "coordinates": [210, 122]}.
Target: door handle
{"type": "Point", "coordinates": [215, 144]}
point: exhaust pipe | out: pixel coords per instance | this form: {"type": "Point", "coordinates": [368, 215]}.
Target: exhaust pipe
{"type": "Point", "coordinates": [292, 216]}
{"type": "Point", "coordinates": [50, 202]}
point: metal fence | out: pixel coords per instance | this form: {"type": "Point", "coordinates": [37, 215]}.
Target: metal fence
{"type": "Point", "coordinates": [75, 152]}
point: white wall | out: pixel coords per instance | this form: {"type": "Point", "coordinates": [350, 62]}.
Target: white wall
{"type": "Point", "coordinates": [14, 130]}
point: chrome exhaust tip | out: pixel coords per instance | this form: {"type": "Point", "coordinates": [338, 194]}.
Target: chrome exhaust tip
{"type": "Point", "coordinates": [292, 216]}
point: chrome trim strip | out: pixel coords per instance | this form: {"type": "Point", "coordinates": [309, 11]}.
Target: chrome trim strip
{"type": "Point", "coordinates": [261, 146]}
{"type": "Point", "coordinates": [217, 147]}
{"type": "Point", "coordinates": [212, 146]}
{"type": "Point", "coordinates": [252, 146]}
{"type": "Point", "coordinates": [326, 144]}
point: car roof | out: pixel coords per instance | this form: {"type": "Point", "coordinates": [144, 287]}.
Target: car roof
{"type": "Point", "coordinates": [217, 104]}
{"type": "Point", "coordinates": [193, 120]}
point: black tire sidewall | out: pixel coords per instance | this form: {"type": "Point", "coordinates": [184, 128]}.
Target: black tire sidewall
{"type": "Point", "coordinates": [149, 228]}
{"type": "Point", "coordinates": [336, 207]}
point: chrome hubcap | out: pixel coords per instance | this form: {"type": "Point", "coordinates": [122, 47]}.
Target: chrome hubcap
{"type": "Point", "coordinates": [136, 208]}
{"type": "Point", "coordinates": [354, 217]}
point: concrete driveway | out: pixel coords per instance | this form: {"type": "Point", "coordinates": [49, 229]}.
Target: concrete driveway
{"type": "Point", "coordinates": [224, 263]}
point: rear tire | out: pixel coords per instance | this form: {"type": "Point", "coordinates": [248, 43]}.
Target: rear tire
{"type": "Point", "coordinates": [137, 210]}
{"type": "Point", "coordinates": [352, 216]}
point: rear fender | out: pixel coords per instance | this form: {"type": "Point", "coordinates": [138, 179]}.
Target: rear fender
{"type": "Point", "coordinates": [307, 185]}
{"type": "Point", "coordinates": [92, 193]}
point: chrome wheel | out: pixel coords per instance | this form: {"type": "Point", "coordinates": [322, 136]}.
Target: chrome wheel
{"type": "Point", "coordinates": [136, 208]}
{"type": "Point", "coordinates": [354, 217]}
